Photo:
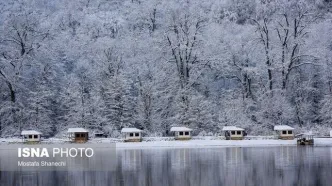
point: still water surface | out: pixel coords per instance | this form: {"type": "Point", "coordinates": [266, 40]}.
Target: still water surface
{"type": "Point", "coordinates": [255, 166]}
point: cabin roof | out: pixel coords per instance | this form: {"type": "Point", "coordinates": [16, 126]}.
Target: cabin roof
{"type": "Point", "coordinates": [30, 132]}
{"type": "Point", "coordinates": [178, 129]}
{"type": "Point", "coordinates": [283, 127]}
{"type": "Point", "coordinates": [75, 130]}
{"type": "Point", "coordinates": [125, 130]}
{"type": "Point", "coordinates": [232, 128]}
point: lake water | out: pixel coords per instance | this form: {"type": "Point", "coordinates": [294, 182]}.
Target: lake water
{"type": "Point", "coordinates": [255, 166]}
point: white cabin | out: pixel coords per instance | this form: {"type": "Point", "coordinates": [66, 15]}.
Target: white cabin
{"type": "Point", "coordinates": [132, 134]}
{"type": "Point", "coordinates": [31, 136]}
{"type": "Point", "coordinates": [78, 135]}
{"type": "Point", "coordinates": [233, 132]}
{"type": "Point", "coordinates": [284, 132]}
{"type": "Point", "coordinates": [181, 133]}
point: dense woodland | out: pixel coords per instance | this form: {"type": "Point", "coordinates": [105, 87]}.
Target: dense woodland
{"type": "Point", "coordinates": [153, 64]}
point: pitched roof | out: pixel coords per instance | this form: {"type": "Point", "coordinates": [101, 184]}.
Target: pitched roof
{"type": "Point", "coordinates": [178, 129]}
{"type": "Point", "coordinates": [124, 130]}
{"type": "Point", "coordinates": [73, 130]}
{"type": "Point", "coordinates": [283, 127]}
{"type": "Point", "coordinates": [30, 132]}
{"type": "Point", "coordinates": [232, 128]}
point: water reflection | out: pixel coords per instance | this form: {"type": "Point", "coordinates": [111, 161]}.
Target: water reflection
{"type": "Point", "coordinates": [273, 166]}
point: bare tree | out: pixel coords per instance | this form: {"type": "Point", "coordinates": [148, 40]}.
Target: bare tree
{"type": "Point", "coordinates": [264, 37]}
{"type": "Point", "coordinates": [291, 31]}
{"type": "Point", "coordinates": [182, 38]}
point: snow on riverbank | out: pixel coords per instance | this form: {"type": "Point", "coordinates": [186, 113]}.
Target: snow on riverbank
{"type": "Point", "coordinates": [323, 141]}
{"type": "Point", "coordinates": [171, 143]}
{"type": "Point", "coordinates": [206, 143]}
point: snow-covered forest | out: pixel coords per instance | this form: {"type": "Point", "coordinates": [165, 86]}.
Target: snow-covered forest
{"type": "Point", "coordinates": [153, 64]}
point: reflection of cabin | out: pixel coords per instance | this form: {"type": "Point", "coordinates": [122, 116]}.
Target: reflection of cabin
{"type": "Point", "coordinates": [78, 135]}
{"type": "Point", "coordinates": [131, 160]}
{"type": "Point", "coordinates": [132, 134]}
{"type": "Point", "coordinates": [234, 156]}
{"type": "Point", "coordinates": [180, 159]}
{"type": "Point", "coordinates": [305, 139]}
{"type": "Point", "coordinates": [285, 156]}
{"type": "Point", "coordinates": [233, 133]}
{"type": "Point", "coordinates": [284, 132]}
{"type": "Point", "coordinates": [31, 136]}
{"type": "Point", "coordinates": [181, 133]}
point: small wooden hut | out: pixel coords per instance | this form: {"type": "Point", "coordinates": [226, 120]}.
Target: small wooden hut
{"type": "Point", "coordinates": [181, 133]}
{"type": "Point", "coordinates": [78, 135]}
{"type": "Point", "coordinates": [233, 133]}
{"type": "Point", "coordinates": [31, 136]}
{"type": "Point", "coordinates": [132, 134]}
{"type": "Point", "coordinates": [284, 132]}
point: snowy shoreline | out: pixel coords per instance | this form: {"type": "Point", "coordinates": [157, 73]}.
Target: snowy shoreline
{"type": "Point", "coordinates": [194, 143]}
{"type": "Point", "coordinates": [319, 142]}
{"type": "Point", "coordinates": [205, 144]}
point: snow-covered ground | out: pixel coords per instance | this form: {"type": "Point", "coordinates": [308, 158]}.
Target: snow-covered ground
{"type": "Point", "coordinates": [197, 142]}
{"type": "Point", "coordinates": [206, 143]}
{"type": "Point", "coordinates": [323, 141]}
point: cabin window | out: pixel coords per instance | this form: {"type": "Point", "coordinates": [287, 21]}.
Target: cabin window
{"type": "Point", "coordinates": [238, 132]}
{"type": "Point", "coordinates": [290, 132]}
{"type": "Point", "coordinates": [136, 134]}
{"type": "Point", "coordinates": [82, 135]}
{"type": "Point", "coordinates": [181, 133]}
{"type": "Point", "coordinates": [77, 135]}
{"type": "Point", "coordinates": [233, 132]}
{"type": "Point", "coordinates": [35, 136]}
{"type": "Point", "coordinates": [284, 132]}
{"type": "Point", "coordinates": [131, 134]}
{"type": "Point", "coordinates": [30, 136]}
{"type": "Point", "coordinates": [186, 133]}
